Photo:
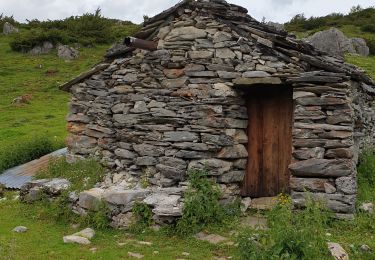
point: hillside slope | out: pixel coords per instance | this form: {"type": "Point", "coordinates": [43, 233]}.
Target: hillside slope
{"type": "Point", "coordinates": [38, 76]}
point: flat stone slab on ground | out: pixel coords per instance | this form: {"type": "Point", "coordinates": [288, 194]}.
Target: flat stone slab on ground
{"type": "Point", "coordinates": [76, 240]}
{"type": "Point", "coordinates": [255, 222]}
{"type": "Point", "coordinates": [337, 251]}
{"type": "Point", "coordinates": [135, 255]}
{"type": "Point", "coordinates": [86, 233]}
{"type": "Point", "coordinates": [263, 203]}
{"type": "Point", "coordinates": [20, 229]}
{"type": "Point", "coordinates": [211, 238]}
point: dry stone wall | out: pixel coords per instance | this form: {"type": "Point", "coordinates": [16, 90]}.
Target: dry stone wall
{"type": "Point", "coordinates": [151, 116]}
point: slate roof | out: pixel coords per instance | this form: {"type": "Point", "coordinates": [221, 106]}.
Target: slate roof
{"type": "Point", "coordinates": [274, 42]}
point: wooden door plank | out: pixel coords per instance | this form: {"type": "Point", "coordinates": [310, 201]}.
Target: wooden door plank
{"type": "Point", "coordinates": [251, 182]}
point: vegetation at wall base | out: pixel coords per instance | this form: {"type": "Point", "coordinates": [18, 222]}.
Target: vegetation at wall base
{"type": "Point", "coordinates": [83, 174]}
{"type": "Point", "coordinates": [202, 208]}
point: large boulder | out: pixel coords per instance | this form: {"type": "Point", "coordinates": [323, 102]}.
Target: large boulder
{"type": "Point", "coordinates": [335, 43]}
{"type": "Point", "coordinates": [9, 29]}
{"type": "Point", "coordinates": [44, 48]}
{"type": "Point", "coordinates": [67, 53]}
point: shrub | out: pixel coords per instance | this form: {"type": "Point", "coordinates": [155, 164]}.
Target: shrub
{"type": "Point", "coordinates": [143, 216]}
{"type": "Point", "coordinates": [88, 29]}
{"type": "Point", "coordinates": [9, 19]}
{"type": "Point", "coordinates": [26, 40]}
{"type": "Point", "coordinates": [371, 45]}
{"type": "Point", "coordinates": [291, 235]}
{"type": "Point", "coordinates": [368, 28]}
{"type": "Point", "coordinates": [201, 205]}
{"type": "Point", "coordinates": [83, 174]}
{"type": "Point", "coordinates": [26, 151]}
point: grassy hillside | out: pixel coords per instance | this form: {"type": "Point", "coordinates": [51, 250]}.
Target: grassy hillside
{"type": "Point", "coordinates": [38, 76]}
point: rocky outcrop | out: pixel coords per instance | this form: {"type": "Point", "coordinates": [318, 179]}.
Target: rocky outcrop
{"type": "Point", "coordinates": [9, 29]}
{"type": "Point", "coordinates": [36, 189]}
{"type": "Point", "coordinates": [44, 48]}
{"type": "Point", "coordinates": [335, 43]}
{"type": "Point", "coordinates": [67, 53]}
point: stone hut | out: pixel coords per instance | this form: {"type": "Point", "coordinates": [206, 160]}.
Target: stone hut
{"type": "Point", "coordinates": [265, 113]}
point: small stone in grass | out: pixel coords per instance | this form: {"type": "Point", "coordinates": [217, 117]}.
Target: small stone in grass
{"type": "Point", "coordinates": [155, 252]}
{"type": "Point", "coordinates": [86, 233]}
{"type": "Point", "coordinates": [145, 243]}
{"type": "Point", "coordinates": [365, 248]}
{"type": "Point", "coordinates": [76, 240]}
{"type": "Point", "coordinates": [135, 255]}
{"type": "Point", "coordinates": [20, 229]}
{"type": "Point", "coordinates": [93, 249]}
{"type": "Point", "coordinates": [185, 253]}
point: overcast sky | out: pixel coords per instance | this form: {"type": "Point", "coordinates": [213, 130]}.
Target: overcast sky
{"type": "Point", "coordinates": [133, 10]}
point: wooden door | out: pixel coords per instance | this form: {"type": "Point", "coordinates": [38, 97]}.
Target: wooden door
{"type": "Point", "coordinates": [270, 111]}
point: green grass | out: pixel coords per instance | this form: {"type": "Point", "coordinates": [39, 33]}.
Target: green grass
{"type": "Point", "coordinates": [43, 240]}
{"type": "Point", "coordinates": [40, 77]}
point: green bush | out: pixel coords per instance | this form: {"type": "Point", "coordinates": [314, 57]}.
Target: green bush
{"type": "Point", "coordinates": [143, 217]}
{"type": "Point", "coordinates": [9, 19]}
{"type": "Point", "coordinates": [290, 235]}
{"type": "Point", "coordinates": [83, 174]}
{"type": "Point", "coordinates": [368, 28]}
{"type": "Point", "coordinates": [201, 205]}
{"type": "Point", "coordinates": [26, 151]}
{"type": "Point", "coordinates": [26, 40]}
{"type": "Point", "coordinates": [371, 45]}
{"type": "Point", "coordinates": [88, 29]}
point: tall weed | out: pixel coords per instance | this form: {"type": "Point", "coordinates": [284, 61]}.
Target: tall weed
{"type": "Point", "coordinates": [290, 235]}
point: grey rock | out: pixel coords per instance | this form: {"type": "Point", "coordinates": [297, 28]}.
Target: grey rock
{"type": "Point", "coordinates": [91, 199]}
{"type": "Point", "coordinates": [213, 166]}
{"type": "Point", "coordinates": [200, 54]}
{"type": "Point", "coordinates": [76, 240]}
{"type": "Point", "coordinates": [148, 150]}
{"type": "Point", "coordinates": [228, 75]}
{"type": "Point", "coordinates": [45, 48]}
{"type": "Point", "coordinates": [322, 168]}
{"type": "Point", "coordinates": [56, 186]}
{"type": "Point", "coordinates": [146, 161]}
{"type": "Point", "coordinates": [185, 33]}
{"type": "Point", "coordinates": [255, 74]}
{"type": "Point", "coordinates": [337, 252]}
{"type": "Point", "coordinates": [124, 197]}
{"type": "Point", "coordinates": [88, 233]}
{"type": "Point", "coordinates": [139, 107]}
{"type": "Point", "coordinates": [308, 184]}
{"type": "Point", "coordinates": [225, 53]}
{"type": "Point", "coordinates": [347, 185]}
{"type": "Point", "coordinates": [221, 37]}
{"type": "Point", "coordinates": [20, 229]}
{"type": "Point", "coordinates": [231, 177]}
{"type": "Point", "coordinates": [180, 136]}
{"type": "Point", "coordinates": [67, 53]}
{"type": "Point", "coordinates": [223, 140]}
{"type": "Point", "coordinates": [9, 29]}
{"type": "Point", "coordinates": [172, 172]}
{"type": "Point", "coordinates": [334, 42]}
{"type": "Point", "coordinates": [367, 207]}
{"type": "Point", "coordinates": [233, 152]}
{"type": "Point", "coordinates": [126, 154]}
{"type": "Point", "coordinates": [360, 46]}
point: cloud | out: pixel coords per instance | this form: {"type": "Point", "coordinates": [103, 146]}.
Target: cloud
{"type": "Point", "coordinates": [272, 10]}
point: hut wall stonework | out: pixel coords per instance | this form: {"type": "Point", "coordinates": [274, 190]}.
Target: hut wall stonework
{"type": "Point", "coordinates": [154, 115]}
